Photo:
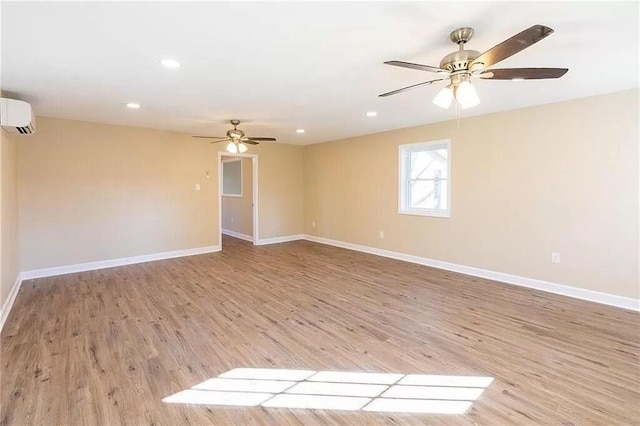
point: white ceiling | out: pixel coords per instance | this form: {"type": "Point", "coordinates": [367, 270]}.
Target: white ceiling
{"type": "Point", "coordinates": [283, 66]}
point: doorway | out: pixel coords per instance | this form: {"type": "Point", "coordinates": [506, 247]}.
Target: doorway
{"type": "Point", "coordinates": [238, 196]}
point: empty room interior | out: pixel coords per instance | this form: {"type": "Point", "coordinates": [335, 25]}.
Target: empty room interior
{"type": "Point", "coordinates": [344, 213]}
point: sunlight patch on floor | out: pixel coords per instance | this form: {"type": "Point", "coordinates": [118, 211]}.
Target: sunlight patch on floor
{"type": "Point", "coordinates": [337, 390]}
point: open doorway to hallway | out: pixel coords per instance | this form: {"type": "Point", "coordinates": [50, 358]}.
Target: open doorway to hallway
{"type": "Point", "coordinates": [238, 196]}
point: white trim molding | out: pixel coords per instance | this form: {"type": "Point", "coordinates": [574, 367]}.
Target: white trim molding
{"type": "Point", "coordinates": [237, 235]}
{"type": "Point", "coordinates": [8, 304]}
{"type": "Point", "coordinates": [90, 266]}
{"type": "Point", "coordinates": [276, 240]}
{"type": "Point", "coordinates": [564, 290]}
{"type": "Point", "coordinates": [561, 289]}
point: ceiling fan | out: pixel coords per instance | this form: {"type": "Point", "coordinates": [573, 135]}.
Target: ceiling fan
{"type": "Point", "coordinates": [237, 140]}
{"type": "Point", "coordinates": [458, 68]}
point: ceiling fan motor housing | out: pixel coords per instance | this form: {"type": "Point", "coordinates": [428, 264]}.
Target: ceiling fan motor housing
{"type": "Point", "coordinates": [458, 61]}
{"type": "Point", "coordinates": [235, 134]}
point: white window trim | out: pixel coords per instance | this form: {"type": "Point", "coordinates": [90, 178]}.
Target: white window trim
{"type": "Point", "coordinates": [241, 177]}
{"type": "Point", "coordinates": [401, 175]}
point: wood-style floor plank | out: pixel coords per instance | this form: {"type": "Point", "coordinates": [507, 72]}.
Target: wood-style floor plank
{"type": "Point", "coordinates": [105, 347]}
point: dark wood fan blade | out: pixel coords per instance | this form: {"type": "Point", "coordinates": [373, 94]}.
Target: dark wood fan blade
{"type": "Point", "coordinates": [209, 137]}
{"type": "Point", "coordinates": [415, 66]}
{"type": "Point", "coordinates": [523, 73]}
{"type": "Point", "coordinates": [249, 141]}
{"type": "Point", "coordinates": [424, 83]}
{"type": "Point", "coordinates": [512, 46]}
{"type": "Point", "coordinates": [262, 139]}
{"type": "Point", "coordinates": [221, 140]}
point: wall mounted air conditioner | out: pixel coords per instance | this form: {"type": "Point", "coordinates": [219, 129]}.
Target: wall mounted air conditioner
{"type": "Point", "coordinates": [17, 116]}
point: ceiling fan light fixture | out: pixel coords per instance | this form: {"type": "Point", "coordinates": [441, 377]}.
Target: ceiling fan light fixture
{"type": "Point", "coordinates": [242, 148]}
{"type": "Point", "coordinates": [466, 95]}
{"type": "Point", "coordinates": [232, 148]}
{"type": "Point", "coordinates": [444, 97]}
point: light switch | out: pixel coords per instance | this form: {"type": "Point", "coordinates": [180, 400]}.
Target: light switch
{"type": "Point", "coordinates": [197, 187]}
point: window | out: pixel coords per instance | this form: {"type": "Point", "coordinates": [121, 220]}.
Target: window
{"type": "Point", "coordinates": [425, 179]}
{"type": "Point", "coordinates": [232, 178]}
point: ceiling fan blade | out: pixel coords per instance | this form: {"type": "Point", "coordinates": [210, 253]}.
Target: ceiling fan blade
{"type": "Point", "coordinates": [262, 139]}
{"type": "Point", "coordinates": [512, 45]}
{"type": "Point", "coordinates": [221, 140]}
{"type": "Point", "coordinates": [415, 66]}
{"type": "Point", "coordinates": [424, 83]}
{"type": "Point", "coordinates": [250, 142]}
{"type": "Point", "coordinates": [523, 73]}
{"type": "Point", "coordinates": [209, 137]}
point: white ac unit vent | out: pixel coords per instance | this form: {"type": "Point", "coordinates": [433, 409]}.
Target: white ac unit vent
{"type": "Point", "coordinates": [17, 116]}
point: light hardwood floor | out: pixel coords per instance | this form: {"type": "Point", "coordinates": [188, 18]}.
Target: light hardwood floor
{"type": "Point", "coordinates": [104, 347]}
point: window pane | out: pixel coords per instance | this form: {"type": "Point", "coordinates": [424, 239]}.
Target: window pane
{"type": "Point", "coordinates": [429, 164]}
{"type": "Point", "coordinates": [430, 194]}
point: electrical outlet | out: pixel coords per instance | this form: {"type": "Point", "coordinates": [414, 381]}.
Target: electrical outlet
{"type": "Point", "coordinates": [381, 234]}
{"type": "Point", "coordinates": [232, 219]}
{"type": "Point", "coordinates": [313, 224]}
{"type": "Point", "coordinates": [555, 257]}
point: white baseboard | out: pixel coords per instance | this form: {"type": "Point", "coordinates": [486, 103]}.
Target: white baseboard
{"type": "Point", "coordinates": [8, 304]}
{"type": "Point", "coordinates": [275, 240]}
{"type": "Point", "coordinates": [564, 290]}
{"type": "Point", "coordinates": [237, 235]}
{"type": "Point", "coordinates": [90, 266]}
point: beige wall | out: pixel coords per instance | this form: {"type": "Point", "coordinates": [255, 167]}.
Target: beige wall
{"type": "Point", "coordinates": [559, 177]}
{"type": "Point", "coordinates": [91, 192]}
{"type": "Point", "coordinates": [237, 212]}
{"type": "Point", "coordinates": [9, 260]}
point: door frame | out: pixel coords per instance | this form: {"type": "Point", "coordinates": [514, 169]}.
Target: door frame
{"type": "Point", "coordinates": [254, 184]}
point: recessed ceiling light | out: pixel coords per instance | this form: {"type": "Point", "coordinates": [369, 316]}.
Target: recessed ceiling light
{"type": "Point", "coordinates": [133, 105]}
{"type": "Point", "coordinates": [170, 63]}
{"type": "Point", "coordinates": [517, 79]}
{"type": "Point", "coordinates": [372, 114]}
{"type": "Point", "coordinates": [300, 131]}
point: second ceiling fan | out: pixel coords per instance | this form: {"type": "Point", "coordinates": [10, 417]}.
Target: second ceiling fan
{"type": "Point", "coordinates": [238, 141]}
{"type": "Point", "coordinates": [459, 67]}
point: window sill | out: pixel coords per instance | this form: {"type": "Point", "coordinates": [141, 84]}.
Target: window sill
{"type": "Point", "coordinates": [232, 195]}
{"type": "Point", "coordinates": [428, 213]}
